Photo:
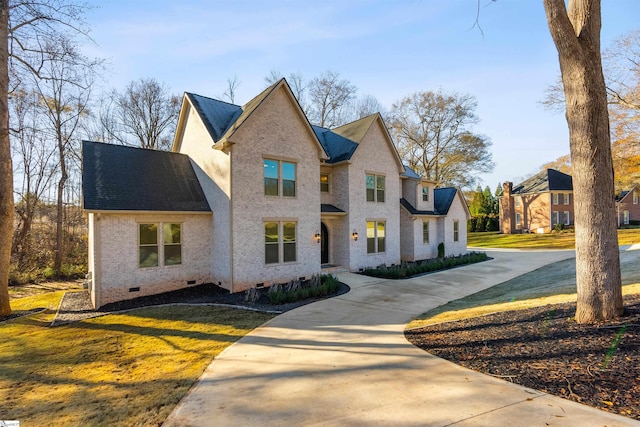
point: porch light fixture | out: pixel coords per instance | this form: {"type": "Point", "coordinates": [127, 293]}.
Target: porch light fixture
{"type": "Point", "coordinates": [317, 236]}
{"type": "Point", "coordinates": [354, 235]}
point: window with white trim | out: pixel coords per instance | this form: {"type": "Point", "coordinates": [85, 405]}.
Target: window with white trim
{"type": "Point", "coordinates": [150, 240]}
{"type": "Point", "coordinates": [555, 217]}
{"type": "Point", "coordinates": [555, 199]}
{"type": "Point", "coordinates": [279, 178]}
{"type": "Point", "coordinates": [567, 218]}
{"type": "Point", "coordinates": [425, 193]}
{"type": "Point", "coordinates": [280, 242]}
{"type": "Point", "coordinates": [376, 235]}
{"type": "Point", "coordinates": [625, 217]}
{"type": "Point", "coordinates": [456, 231]}
{"type": "Point", "coordinates": [567, 198]}
{"type": "Point", "coordinates": [375, 188]}
{"type": "Point", "coordinates": [517, 219]}
{"type": "Point", "coordinates": [425, 232]}
{"type": "Point", "coordinates": [635, 197]}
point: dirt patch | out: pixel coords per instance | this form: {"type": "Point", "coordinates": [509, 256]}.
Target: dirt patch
{"type": "Point", "coordinates": [21, 291]}
{"type": "Point", "coordinates": [545, 349]}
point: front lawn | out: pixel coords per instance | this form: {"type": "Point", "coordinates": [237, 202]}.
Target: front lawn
{"type": "Point", "coordinates": [121, 369]}
{"type": "Point", "coordinates": [563, 240]}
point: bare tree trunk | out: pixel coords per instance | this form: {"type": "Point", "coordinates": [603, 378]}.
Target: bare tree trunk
{"type": "Point", "coordinates": [577, 38]}
{"type": "Point", "coordinates": [59, 250]}
{"type": "Point", "coordinates": [6, 167]}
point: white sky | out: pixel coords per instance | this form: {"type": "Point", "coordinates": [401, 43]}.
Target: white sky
{"type": "Point", "coordinates": [388, 49]}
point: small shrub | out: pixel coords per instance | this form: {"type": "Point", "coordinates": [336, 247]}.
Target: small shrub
{"type": "Point", "coordinates": [558, 227]}
{"type": "Point", "coordinates": [296, 290]}
{"type": "Point", "coordinates": [441, 250]}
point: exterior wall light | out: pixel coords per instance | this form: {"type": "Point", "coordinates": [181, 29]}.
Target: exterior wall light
{"type": "Point", "coordinates": [317, 236]}
{"type": "Point", "coordinates": [354, 235]}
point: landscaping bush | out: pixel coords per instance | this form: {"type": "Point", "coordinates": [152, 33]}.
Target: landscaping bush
{"type": "Point", "coordinates": [409, 269]}
{"type": "Point", "coordinates": [296, 290]}
{"type": "Point", "coordinates": [441, 250]}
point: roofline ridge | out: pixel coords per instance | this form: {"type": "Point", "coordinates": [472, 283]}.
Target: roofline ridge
{"type": "Point", "coordinates": [133, 147]}
{"type": "Point", "coordinates": [213, 99]}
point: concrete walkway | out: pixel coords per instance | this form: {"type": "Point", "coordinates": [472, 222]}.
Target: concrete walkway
{"type": "Point", "coordinates": [345, 362]}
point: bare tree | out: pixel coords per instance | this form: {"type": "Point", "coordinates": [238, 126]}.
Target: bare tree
{"type": "Point", "coordinates": [64, 99]}
{"type": "Point", "coordinates": [432, 131]}
{"type": "Point", "coordinates": [328, 98]}
{"type": "Point", "coordinates": [24, 27]}
{"type": "Point", "coordinates": [296, 82]}
{"type": "Point", "coordinates": [144, 115]}
{"type": "Point", "coordinates": [35, 164]}
{"type": "Point", "coordinates": [232, 85]}
{"type": "Point", "coordinates": [576, 34]}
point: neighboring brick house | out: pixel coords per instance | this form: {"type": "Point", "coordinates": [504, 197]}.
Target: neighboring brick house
{"type": "Point", "coordinates": [537, 204]}
{"type": "Point", "coordinates": [253, 196]}
{"type": "Point", "coordinates": [628, 207]}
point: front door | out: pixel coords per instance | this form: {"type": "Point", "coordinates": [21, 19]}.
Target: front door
{"type": "Point", "coordinates": [324, 244]}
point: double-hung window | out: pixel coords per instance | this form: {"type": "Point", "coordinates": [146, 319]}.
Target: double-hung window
{"type": "Point", "coordinates": [556, 200]}
{"type": "Point", "coordinates": [425, 193]}
{"type": "Point", "coordinates": [375, 188]}
{"type": "Point", "coordinates": [376, 234]}
{"type": "Point", "coordinates": [425, 232]}
{"type": "Point", "coordinates": [567, 198]}
{"type": "Point", "coordinates": [279, 242]}
{"type": "Point", "coordinates": [456, 231]}
{"type": "Point", "coordinates": [567, 218]}
{"type": "Point", "coordinates": [279, 178]}
{"type": "Point", "coordinates": [635, 197]}
{"type": "Point", "coordinates": [555, 216]}
{"type": "Point", "coordinates": [150, 240]}
{"type": "Point", "coordinates": [625, 217]}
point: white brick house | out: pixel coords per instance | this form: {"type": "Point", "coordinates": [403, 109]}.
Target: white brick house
{"type": "Point", "coordinates": [277, 199]}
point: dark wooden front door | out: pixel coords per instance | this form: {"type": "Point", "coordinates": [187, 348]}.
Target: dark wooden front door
{"type": "Point", "coordinates": [324, 244]}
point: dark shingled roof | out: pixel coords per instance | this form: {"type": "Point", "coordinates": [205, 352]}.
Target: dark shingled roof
{"type": "Point", "coordinates": [337, 147]}
{"type": "Point", "coordinates": [217, 116]}
{"type": "Point", "coordinates": [115, 177]}
{"type": "Point", "coordinates": [410, 173]}
{"type": "Point", "coordinates": [413, 211]}
{"type": "Point", "coordinates": [547, 180]}
{"type": "Point", "coordinates": [442, 199]}
{"type": "Point", "coordinates": [326, 208]}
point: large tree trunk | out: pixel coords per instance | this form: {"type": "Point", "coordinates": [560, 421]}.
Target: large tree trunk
{"type": "Point", "coordinates": [6, 168]}
{"type": "Point", "coordinates": [577, 38]}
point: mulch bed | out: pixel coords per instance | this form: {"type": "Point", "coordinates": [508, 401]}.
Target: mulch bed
{"type": "Point", "coordinates": [545, 349]}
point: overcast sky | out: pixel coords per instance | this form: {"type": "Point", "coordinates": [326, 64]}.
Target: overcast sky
{"type": "Point", "coordinates": [388, 49]}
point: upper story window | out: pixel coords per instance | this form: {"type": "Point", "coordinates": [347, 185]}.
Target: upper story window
{"type": "Point", "coordinates": [324, 182]}
{"type": "Point", "coordinates": [635, 197]}
{"type": "Point", "coordinates": [567, 198]}
{"type": "Point", "coordinates": [425, 193]}
{"type": "Point", "coordinates": [518, 201]}
{"type": "Point", "coordinates": [279, 178]}
{"type": "Point", "coordinates": [375, 188]}
{"type": "Point", "coordinates": [456, 231]}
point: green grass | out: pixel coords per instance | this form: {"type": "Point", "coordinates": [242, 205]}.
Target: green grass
{"type": "Point", "coordinates": [563, 240]}
{"type": "Point", "coordinates": [551, 284]}
{"type": "Point", "coordinates": [121, 369]}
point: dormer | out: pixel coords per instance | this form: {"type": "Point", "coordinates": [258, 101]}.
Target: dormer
{"type": "Point", "coordinates": [424, 195]}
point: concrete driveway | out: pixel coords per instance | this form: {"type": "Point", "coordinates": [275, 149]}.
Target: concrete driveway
{"type": "Point", "coordinates": [345, 362]}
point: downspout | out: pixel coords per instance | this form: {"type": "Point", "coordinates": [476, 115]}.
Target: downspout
{"type": "Point", "coordinates": [231, 218]}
